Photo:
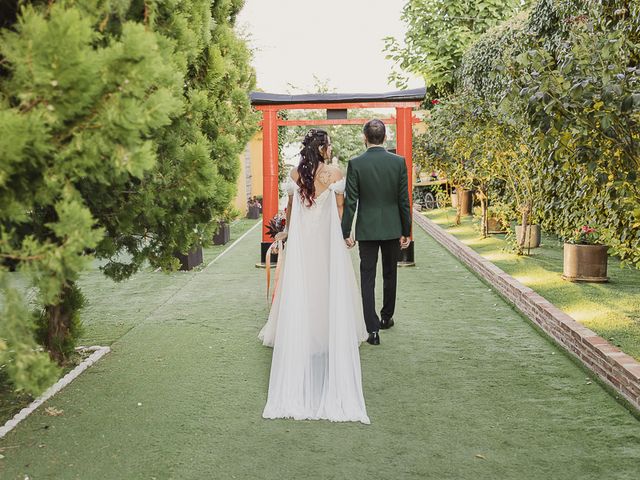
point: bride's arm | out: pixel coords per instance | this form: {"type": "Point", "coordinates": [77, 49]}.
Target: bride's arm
{"type": "Point", "coordinates": [340, 202]}
{"type": "Point", "coordinates": [285, 233]}
{"type": "Point", "coordinates": [289, 205]}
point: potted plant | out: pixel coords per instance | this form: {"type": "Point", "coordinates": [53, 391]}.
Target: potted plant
{"type": "Point", "coordinates": [585, 258]}
{"type": "Point", "coordinates": [499, 216]}
{"type": "Point", "coordinates": [254, 208]}
{"type": "Point", "coordinates": [520, 171]}
{"type": "Point", "coordinates": [464, 199]}
{"type": "Point", "coordinates": [190, 259]}
{"type": "Point", "coordinates": [223, 234]}
{"type": "Point", "coordinates": [528, 236]}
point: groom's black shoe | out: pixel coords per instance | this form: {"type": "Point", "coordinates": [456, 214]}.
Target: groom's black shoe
{"type": "Point", "coordinates": [384, 324]}
{"type": "Point", "coordinates": [374, 338]}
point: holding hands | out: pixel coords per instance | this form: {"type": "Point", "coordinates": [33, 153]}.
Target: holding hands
{"type": "Point", "coordinates": [281, 236]}
{"type": "Point", "coordinates": [404, 242]}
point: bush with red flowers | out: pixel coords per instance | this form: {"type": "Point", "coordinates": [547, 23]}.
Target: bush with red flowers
{"type": "Point", "coordinates": [585, 235]}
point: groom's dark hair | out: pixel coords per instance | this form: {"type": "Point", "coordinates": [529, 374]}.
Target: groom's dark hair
{"type": "Point", "coordinates": [374, 131]}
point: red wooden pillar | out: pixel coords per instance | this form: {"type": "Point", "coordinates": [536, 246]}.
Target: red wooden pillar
{"type": "Point", "coordinates": [404, 145]}
{"type": "Point", "coordinates": [270, 174]}
{"type": "Point", "coordinates": [404, 134]}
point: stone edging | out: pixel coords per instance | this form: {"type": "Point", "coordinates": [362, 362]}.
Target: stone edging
{"type": "Point", "coordinates": [614, 367]}
{"type": "Point", "coordinates": [98, 352]}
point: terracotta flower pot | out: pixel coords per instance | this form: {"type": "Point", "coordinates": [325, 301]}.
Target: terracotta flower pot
{"type": "Point", "coordinates": [585, 263]}
{"type": "Point", "coordinates": [532, 237]}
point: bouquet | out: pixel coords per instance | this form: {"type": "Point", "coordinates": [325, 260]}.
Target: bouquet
{"type": "Point", "coordinates": [277, 224]}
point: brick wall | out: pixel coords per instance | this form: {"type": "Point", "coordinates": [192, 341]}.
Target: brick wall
{"type": "Point", "coordinates": [613, 366]}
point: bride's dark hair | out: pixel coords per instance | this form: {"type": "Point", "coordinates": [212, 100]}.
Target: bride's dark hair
{"type": "Point", "coordinates": [310, 158]}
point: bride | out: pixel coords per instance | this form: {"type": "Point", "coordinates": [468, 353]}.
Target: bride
{"type": "Point", "coordinates": [316, 323]}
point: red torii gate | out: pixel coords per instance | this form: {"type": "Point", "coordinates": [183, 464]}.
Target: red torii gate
{"type": "Point", "coordinates": [336, 105]}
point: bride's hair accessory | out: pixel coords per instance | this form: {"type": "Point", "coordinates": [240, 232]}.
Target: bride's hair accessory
{"type": "Point", "coordinates": [310, 158]}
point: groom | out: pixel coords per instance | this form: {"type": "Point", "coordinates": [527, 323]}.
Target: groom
{"type": "Point", "coordinates": [377, 188]}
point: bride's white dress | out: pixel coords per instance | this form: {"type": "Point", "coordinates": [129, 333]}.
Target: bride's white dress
{"type": "Point", "coordinates": [316, 323]}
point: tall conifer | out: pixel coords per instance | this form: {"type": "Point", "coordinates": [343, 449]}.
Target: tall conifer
{"type": "Point", "coordinates": [121, 125]}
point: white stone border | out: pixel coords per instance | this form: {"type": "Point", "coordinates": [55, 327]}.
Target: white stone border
{"type": "Point", "coordinates": [98, 353]}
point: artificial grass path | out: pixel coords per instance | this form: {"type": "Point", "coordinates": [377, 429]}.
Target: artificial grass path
{"type": "Point", "coordinates": [612, 310]}
{"type": "Point", "coordinates": [115, 308]}
{"type": "Point", "coordinates": [461, 388]}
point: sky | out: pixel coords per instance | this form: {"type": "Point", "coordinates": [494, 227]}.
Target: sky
{"type": "Point", "coordinates": [339, 41]}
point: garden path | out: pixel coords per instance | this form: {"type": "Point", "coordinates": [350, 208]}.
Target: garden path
{"type": "Point", "coordinates": [462, 387]}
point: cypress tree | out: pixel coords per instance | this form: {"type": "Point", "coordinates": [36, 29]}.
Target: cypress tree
{"type": "Point", "coordinates": [122, 122]}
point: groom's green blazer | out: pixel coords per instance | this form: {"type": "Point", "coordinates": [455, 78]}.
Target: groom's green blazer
{"type": "Point", "coordinates": [377, 188]}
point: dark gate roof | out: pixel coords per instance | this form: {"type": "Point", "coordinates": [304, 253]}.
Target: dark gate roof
{"type": "Point", "coordinates": [415, 95]}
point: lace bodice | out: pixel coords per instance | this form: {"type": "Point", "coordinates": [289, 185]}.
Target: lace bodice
{"type": "Point", "coordinates": [337, 187]}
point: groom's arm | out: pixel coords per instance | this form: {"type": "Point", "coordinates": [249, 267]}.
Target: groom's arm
{"type": "Point", "coordinates": [351, 200]}
{"type": "Point", "coordinates": [403, 201]}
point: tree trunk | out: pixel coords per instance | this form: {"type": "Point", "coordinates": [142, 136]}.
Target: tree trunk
{"type": "Point", "coordinates": [59, 318]}
{"type": "Point", "coordinates": [459, 206]}
{"type": "Point", "coordinates": [526, 211]}
{"type": "Point", "coordinates": [484, 225]}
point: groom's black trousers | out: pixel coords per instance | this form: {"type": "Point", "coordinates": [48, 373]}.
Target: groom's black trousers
{"type": "Point", "coordinates": [368, 261]}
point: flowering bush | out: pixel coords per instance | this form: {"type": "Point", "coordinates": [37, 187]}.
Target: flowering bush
{"type": "Point", "coordinates": [277, 224]}
{"type": "Point", "coordinates": [585, 235]}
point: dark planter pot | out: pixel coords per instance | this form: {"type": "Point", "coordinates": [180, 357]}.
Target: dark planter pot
{"type": "Point", "coordinates": [585, 263]}
{"type": "Point", "coordinates": [495, 226]}
{"type": "Point", "coordinates": [190, 260]}
{"type": "Point", "coordinates": [223, 235]}
{"type": "Point", "coordinates": [253, 213]}
{"type": "Point", "coordinates": [532, 237]}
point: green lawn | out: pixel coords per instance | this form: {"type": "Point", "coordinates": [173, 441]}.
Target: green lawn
{"type": "Point", "coordinates": [115, 308]}
{"type": "Point", "coordinates": [461, 388]}
{"type": "Point", "coordinates": [612, 310]}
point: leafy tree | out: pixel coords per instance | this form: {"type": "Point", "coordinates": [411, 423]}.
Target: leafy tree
{"type": "Point", "coordinates": [122, 123]}
{"type": "Point", "coordinates": [483, 70]}
{"type": "Point", "coordinates": [564, 81]}
{"type": "Point", "coordinates": [582, 101]}
{"type": "Point", "coordinates": [503, 139]}
{"type": "Point", "coordinates": [447, 145]}
{"type": "Point", "coordinates": [438, 33]}
{"type": "Point", "coordinates": [479, 150]}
